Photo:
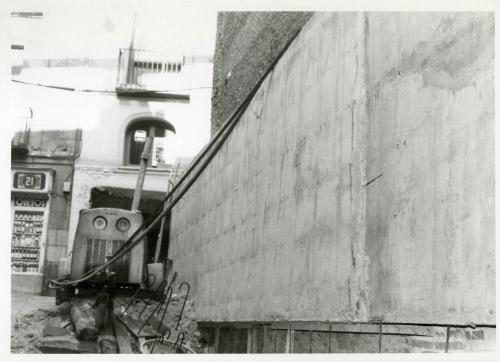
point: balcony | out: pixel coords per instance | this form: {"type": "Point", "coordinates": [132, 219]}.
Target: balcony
{"type": "Point", "coordinates": [133, 64]}
{"type": "Point", "coordinates": [48, 144]}
{"type": "Point", "coordinates": [20, 142]}
{"type": "Point", "coordinates": [134, 67]}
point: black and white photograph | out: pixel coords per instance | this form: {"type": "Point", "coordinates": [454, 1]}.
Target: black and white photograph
{"type": "Point", "coordinates": [240, 178]}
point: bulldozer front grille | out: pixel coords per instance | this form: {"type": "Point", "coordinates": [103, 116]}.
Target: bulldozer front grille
{"type": "Point", "coordinates": [97, 251]}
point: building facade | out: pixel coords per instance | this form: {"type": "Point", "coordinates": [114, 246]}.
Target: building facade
{"type": "Point", "coordinates": [41, 172]}
{"type": "Point", "coordinates": [100, 104]}
{"type": "Point", "coordinates": [351, 209]}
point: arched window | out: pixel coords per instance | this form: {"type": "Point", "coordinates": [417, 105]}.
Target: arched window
{"type": "Point", "coordinates": [152, 127]}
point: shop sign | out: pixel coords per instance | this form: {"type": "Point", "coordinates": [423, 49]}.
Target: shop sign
{"type": "Point", "coordinates": [29, 181]}
{"type": "Point", "coordinates": [30, 202]}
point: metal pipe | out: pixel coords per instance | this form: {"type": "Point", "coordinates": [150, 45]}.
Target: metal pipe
{"type": "Point", "coordinates": [146, 153]}
{"type": "Point", "coordinates": [162, 226]}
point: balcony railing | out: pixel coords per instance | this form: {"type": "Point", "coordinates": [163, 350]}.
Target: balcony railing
{"type": "Point", "coordinates": [134, 63]}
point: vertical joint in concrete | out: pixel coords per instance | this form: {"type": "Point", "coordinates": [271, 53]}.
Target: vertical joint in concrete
{"type": "Point", "coordinates": [358, 275]}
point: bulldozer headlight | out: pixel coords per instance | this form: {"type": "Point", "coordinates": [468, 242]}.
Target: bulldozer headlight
{"type": "Point", "coordinates": [123, 224]}
{"type": "Point", "coordinates": [100, 223]}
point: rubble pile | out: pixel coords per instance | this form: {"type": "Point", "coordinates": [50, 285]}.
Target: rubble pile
{"type": "Point", "coordinates": [28, 329]}
{"type": "Point", "coordinates": [187, 324]}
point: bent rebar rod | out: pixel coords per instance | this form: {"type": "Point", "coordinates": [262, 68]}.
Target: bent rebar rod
{"type": "Point", "coordinates": [167, 295]}
{"type": "Point", "coordinates": [164, 312]}
{"type": "Point", "coordinates": [159, 340]}
{"type": "Point", "coordinates": [177, 344]}
{"type": "Point", "coordinates": [141, 285]}
{"type": "Point", "coordinates": [183, 304]}
{"type": "Point", "coordinates": [162, 285]}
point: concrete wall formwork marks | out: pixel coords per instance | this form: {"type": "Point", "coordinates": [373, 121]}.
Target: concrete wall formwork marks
{"type": "Point", "coordinates": [358, 184]}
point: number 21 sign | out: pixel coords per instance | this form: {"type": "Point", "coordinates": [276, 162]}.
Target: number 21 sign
{"type": "Point", "coordinates": [28, 180]}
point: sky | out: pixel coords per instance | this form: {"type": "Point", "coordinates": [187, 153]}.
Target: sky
{"type": "Point", "coordinates": [95, 29]}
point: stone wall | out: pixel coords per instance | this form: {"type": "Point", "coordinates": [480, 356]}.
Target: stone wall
{"type": "Point", "coordinates": [359, 183]}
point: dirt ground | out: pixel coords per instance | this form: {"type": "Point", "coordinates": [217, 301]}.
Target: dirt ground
{"type": "Point", "coordinates": [24, 303]}
{"type": "Point", "coordinates": [30, 315]}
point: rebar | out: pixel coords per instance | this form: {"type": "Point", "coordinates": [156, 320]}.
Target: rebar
{"type": "Point", "coordinates": [183, 304]}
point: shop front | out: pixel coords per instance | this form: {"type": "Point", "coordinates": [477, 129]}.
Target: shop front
{"type": "Point", "coordinates": [30, 200]}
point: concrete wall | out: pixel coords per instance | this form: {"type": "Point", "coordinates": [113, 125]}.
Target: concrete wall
{"type": "Point", "coordinates": [430, 217]}
{"type": "Point", "coordinates": [358, 184]}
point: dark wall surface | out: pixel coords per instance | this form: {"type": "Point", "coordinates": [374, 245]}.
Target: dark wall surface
{"type": "Point", "coordinates": [247, 44]}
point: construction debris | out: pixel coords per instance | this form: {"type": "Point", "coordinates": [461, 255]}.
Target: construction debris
{"type": "Point", "coordinates": [27, 330]}
{"type": "Point", "coordinates": [51, 330]}
{"type": "Point", "coordinates": [84, 322]}
{"type": "Point", "coordinates": [187, 324]}
{"type": "Point", "coordinates": [66, 344]}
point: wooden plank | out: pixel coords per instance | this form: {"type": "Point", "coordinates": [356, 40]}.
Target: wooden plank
{"type": "Point", "coordinates": [355, 328]}
{"type": "Point", "coordinates": [209, 335]}
{"type": "Point", "coordinates": [276, 341]}
{"type": "Point", "coordinates": [121, 335]}
{"type": "Point", "coordinates": [258, 339]}
{"type": "Point", "coordinates": [134, 325]}
{"type": "Point", "coordinates": [291, 332]}
{"type": "Point", "coordinates": [225, 340]}
{"type": "Point", "coordinates": [67, 344]}
{"type": "Point", "coordinates": [319, 342]}
{"type": "Point", "coordinates": [53, 331]}
{"type": "Point", "coordinates": [288, 342]}
{"type": "Point", "coordinates": [267, 340]}
{"type": "Point", "coordinates": [249, 339]}
{"type": "Point", "coordinates": [107, 341]}
{"type": "Point", "coordinates": [302, 326]}
{"type": "Point", "coordinates": [325, 327]}
{"type": "Point", "coordinates": [301, 342]}
{"type": "Point", "coordinates": [412, 330]}
{"type": "Point", "coordinates": [205, 324]}
{"type": "Point", "coordinates": [217, 340]}
{"type": "Point", "coordinates": [240, 342]}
